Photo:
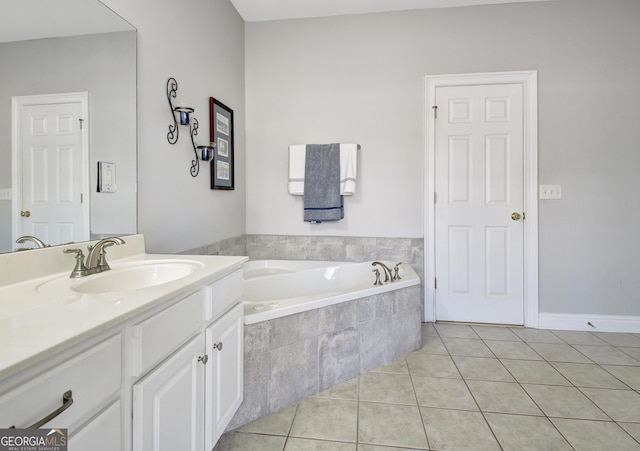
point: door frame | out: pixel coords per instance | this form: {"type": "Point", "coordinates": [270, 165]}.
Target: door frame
{"type": "Point", "coordinates": [529, 81]}
{"type": "Point", "coordinates": [17, 102]}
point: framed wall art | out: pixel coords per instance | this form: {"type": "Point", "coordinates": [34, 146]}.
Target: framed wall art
{"type": "Point", "coordinates": [221, 133]}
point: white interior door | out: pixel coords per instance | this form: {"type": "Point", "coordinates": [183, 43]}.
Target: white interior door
{"type": "Point", "coordinates": [479, 231]}
{"type": "Point", "coordinates": [52, 183]}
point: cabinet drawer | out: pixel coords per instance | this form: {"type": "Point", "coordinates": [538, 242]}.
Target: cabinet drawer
{"type": "Point", "coordinates": [93, 377]}
{"type": "Point", "coordinates": [160, 335]}
{"type": "Point", "coordinates": [221, 295]}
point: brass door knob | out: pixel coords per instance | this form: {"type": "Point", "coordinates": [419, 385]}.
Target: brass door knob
{"type": "Point", "coordinates": [516, 216]}
{"type": "Point", "coordinates": [25, 214]}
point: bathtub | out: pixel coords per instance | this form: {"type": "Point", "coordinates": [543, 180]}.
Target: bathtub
{"type": "Point", "coordinates": [276, 288]}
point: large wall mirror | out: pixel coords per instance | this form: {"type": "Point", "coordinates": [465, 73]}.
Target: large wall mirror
{"type": "Point", "coordinates": [54, 54]}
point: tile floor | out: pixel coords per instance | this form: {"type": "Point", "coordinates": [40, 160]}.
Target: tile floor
{"type": "Point", "coordinates": [473, 388]}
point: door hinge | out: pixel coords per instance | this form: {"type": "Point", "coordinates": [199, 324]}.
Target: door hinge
{"type": "Point", "coordinates": [81, 198]}
{"type": "Point", "coordinates": [81, 121]}
{"type": "Point", "coordinates": [435, 197]}
{"type": "Point", "coordinates": [524, 216]}
{"type": "Point", "coordinates": [435, 111]}
{"type": "Point", "coordinates": [435, 283]}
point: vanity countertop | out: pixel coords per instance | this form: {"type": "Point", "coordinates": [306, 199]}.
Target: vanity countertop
{"type": "Point", "coordinates": [35, 324]}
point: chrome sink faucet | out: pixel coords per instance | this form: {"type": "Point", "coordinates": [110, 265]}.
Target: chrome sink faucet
{"type": "Point", "coordinates": [96, 259]}
{"type": "Point", "coordinates": [38, 242]}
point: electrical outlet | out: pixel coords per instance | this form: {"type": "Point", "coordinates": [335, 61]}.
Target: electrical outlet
{"type": "Point", "coordinates": [5, 194]}
{"type": "Point", "coordinates": [550, 191]}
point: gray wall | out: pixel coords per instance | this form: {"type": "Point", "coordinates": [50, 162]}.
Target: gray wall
{"type": "Point", "coordinates": [201, 44]}
{"type": "Point", "coordinates": [361, 78]}
{"type": "Point", "coordinates": [105, 66]}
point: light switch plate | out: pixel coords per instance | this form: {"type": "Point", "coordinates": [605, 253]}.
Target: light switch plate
{"type": "Point", "coordinates": [550, 191]}
{"type": "Point", "coordinates": [106, 177]}
{"type": "Point", "coordinates": [5, 194]}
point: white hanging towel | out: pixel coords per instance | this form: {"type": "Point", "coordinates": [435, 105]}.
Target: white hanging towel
{"type": "Point", "coordinates": [348, 169]}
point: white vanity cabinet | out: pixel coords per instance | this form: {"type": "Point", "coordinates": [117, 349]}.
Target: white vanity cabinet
{"type": "Point", "coordinates": [187, 369]}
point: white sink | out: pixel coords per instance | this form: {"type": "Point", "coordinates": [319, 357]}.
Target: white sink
{"type": "Point", "coordinates": [126, 277]}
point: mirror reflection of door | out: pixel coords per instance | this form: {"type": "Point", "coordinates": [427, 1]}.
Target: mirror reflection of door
{"type": "Point", "coordinates": [51, 174]}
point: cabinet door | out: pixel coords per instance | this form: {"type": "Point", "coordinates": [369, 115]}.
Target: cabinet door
{"type": "Point", "coordinates": [104, 433]}
{"type": "Point", "coordinates": [168, 404]}
{"type": "Point", "coordinates": [224, 341]}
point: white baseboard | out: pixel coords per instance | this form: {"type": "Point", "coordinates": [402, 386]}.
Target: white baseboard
{"type": "Point", "coordinates": [592, 323]}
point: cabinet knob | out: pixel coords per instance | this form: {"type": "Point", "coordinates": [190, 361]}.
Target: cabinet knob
{"type": "Point", "coordinates": [204, 359]}
{"type": "Point", "coordinates": [218, 346]}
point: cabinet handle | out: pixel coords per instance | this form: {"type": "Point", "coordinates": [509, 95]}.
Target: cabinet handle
{"type": "Point", "coordinates": [204, 359]}
{"type": "Point", "coordinates": [67, 400]}
{"type": "Point", "coordinates": [218, 346]}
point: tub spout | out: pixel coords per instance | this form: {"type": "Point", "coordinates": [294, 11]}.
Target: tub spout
{"type": "Point", "coordinates": [387, 271]}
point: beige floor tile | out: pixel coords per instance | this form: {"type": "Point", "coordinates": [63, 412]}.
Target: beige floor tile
{"type": "Point", "coordinates": [536, 335]}
{"type": "Point", "coordinates": [512, 350]}
{"type": "Point", "coordinates": [443, 393]}
{"type": "Point", "coordinates": [455, 331]}
{"type": "Point", "coordinates": [633, 352]}
{"type": "Point", "coordinates": [326, 419]}
{"type": "Point", "coordinates": [305, 444]}
{"type": "Point", "coordinates": [421, 364]}
{"type": "Point", "coordinates": [619, 339]}
{"type": "Point", "coordinates": [606, 355]}
{"type": "Point", "coordinates": [495, 333]}
{"type": "Point", "coordinates": [534, 372]}
{"type": "Point", "coordinates": [595, 435]}
{"type": "Point", "coordinates": [429, 330]}
{"type": "Point", "coordinates": [467, 347]}
{"type": "Point", "coordinates": [502, 397]}
{"type": "Point", "coordinates": [242, 441]}
{"type": "Point", "coordinates": [559, 353]}
{"type": "Point", "coordinates": [564, 402]}
{"type": "Point", "coordinates": [620, 405]}
{"type": "Point", "coordinates": [433, 345]}
{"type": "Point", "coordinates": [630, 375]}
{"type": "Point", "coordinates": [482, 369]}
{"type": "Point", "coordinates": [526, 433]}
{"type": "Point", "coordinates": [388, 388]}
{"type": "Point", "coordinates": [398, 366]}
{"type": "Point", "coordinates": [365, 447]}
{"type": "Point", "coordinates": [576, 337]}
{"type": "Point", "coordinates": [633, 429]}
{"type": "Point", "coordinates": [391, 425]}
{"type": "Point", "coordinates": [345, 390]}
{"type": "Point", "coordinates": [457, 430]}
{"type": "Point", "coordinates": [587, 375]}
{"type": "Point", "coordinates": [278, 423]}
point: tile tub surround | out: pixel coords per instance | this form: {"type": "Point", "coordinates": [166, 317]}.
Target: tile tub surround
{"type": "Point", "coordinates": [328, 248]}
{"type": "Point", "coordinates": [290, 358]}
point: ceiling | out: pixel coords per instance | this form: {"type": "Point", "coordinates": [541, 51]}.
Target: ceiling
{"type": "Point", "coordinates": [36, 19]}
{"type": "Point", "coordinates": [261, 10]}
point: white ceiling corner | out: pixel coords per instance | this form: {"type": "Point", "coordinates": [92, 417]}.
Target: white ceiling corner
{"type": "Point", "coordinates": [263, 10]}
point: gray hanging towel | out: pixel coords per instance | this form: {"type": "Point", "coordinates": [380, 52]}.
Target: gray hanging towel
{"type": "Point", "coordinates": [322, 199]}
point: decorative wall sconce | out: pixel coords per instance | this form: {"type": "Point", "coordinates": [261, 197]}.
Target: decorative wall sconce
{"type": "Point", "coordinates": [185, 116]}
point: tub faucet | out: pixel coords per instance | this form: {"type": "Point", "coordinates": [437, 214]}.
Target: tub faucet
{"type": "Point", "coordinates": [36, 241]}
{"type": "Point", "coordinates": [385, 268]}
{"type": "Point", "coordinates": [96, 259]}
